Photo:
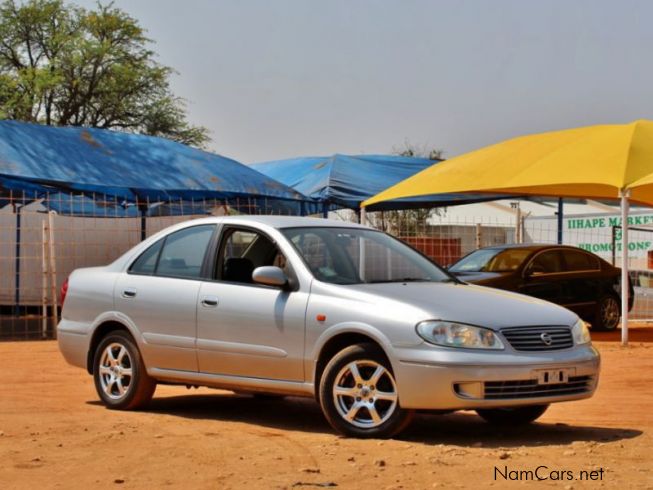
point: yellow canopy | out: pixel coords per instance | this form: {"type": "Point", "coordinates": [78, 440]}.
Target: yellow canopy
{"type": "Point", "coordinates": [591, 162]}
{"type": "Point", "coordinates": [600, 162]}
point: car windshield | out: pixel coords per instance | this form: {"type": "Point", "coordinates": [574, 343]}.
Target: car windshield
{"type": "Point", "coordinates": [358, 256]}
{"type": "Point", "coordinates": [492, 260]}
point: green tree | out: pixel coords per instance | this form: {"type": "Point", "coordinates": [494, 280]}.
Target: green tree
{"type": "Point", "coordinates": [411, 150]}
{"type": "Point", "coordinates": [64, 65]}
{"type": "Point", "coordinates": [408, 222]}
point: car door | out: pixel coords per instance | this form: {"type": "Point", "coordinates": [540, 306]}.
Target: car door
{"type": "Point", "coordinates": [584, 281]}
{"type": "Point", "coordinates": [159, 295]}
{"type": "Point", "coordinates": [544, 277]}
{"type": "Point", "coordinates": [248, 329]}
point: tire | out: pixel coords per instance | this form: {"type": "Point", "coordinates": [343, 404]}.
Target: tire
{"type": "Point", "coordinates": [512, 416]}
{"type": "Point", "coordinates": [367, 391]}
{"type": "Point", "coordinates": [608, 313]}
{"type": "Point", "coordinates": [121, 380]}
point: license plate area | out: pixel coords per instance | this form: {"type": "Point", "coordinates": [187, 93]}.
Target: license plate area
{"type": "Point", "coordinates": [553, 376]}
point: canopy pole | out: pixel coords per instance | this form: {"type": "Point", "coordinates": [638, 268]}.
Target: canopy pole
{"type": "Point", "coordinates": [363, 216]}
{"type": "Point", "coordinates": [560, 219]}
{"type": "Point", "coordinates": [325, 209]}
{"type": "Point", "coordinates": [362, 260]}
{"type": "Point", "coordinates": [624, 194]}
{"type": "Point", "coordinates": [17, 208]}
{"type": "Point", "coordinates": [143, 212]}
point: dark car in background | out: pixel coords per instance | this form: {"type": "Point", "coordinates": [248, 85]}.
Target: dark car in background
{"type": "Point", "coordinates": [568, 276]}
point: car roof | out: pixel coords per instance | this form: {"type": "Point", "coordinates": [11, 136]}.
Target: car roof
{"type": "Point", "coordinates": [280, 221]}
{"type": "Point", "coordinates": [531, 246]}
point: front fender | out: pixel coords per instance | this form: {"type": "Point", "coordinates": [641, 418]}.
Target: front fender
{"type": "Point", "coordinates": [350, 327]}
{"type": "Point", "coordinates": [347, 328]}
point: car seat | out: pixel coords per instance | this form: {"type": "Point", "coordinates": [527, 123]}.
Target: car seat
{"type": "Point", "coordinates": [237, 269]}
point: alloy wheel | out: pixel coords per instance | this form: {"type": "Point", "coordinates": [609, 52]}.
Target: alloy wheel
{"type": "Point", "coordinates": [365, 394]}
{"type": "Point", "coordinates": [610, 312]}
{"type": "Point", "coordinates": [116, 371]}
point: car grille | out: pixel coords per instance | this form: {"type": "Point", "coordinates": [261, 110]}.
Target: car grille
{"type": "Point", "coordinates": [539, 338]}
{"type": "Point", "coordinates": [502, 390]}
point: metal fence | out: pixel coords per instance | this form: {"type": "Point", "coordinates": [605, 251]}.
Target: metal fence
{"type": "Point", "coordinates": [42, 240]}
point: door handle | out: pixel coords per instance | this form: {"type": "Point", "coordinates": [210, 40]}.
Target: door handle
{"type": "Point", "coordinates": [129, 293]}
{"type": "Point", "coordinates": [210, 301]}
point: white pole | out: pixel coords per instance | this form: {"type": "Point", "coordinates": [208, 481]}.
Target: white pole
{"type": "Point", "coordinates": [44, 279]}
{"type": "Point", "coordinates": [361, 258]}
{"type": "Point", "coordinates": [53, 271]}
{"type": "Point", "coordinates": [361, 246]}
{"type": "Point", "coordinates": [625, 194]}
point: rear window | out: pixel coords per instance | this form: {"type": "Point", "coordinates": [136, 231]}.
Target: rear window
{"type": "Point", "coordinates": [580, 261]}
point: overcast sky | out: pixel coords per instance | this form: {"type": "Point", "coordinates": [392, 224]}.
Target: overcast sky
{"type": "Point", "coordinates": [283, 78]}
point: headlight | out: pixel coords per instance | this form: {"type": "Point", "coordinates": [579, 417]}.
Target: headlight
{"type": "Point", "coordinates": [458, 335]}
{"type": "Point", "coordinates": [581, 333]}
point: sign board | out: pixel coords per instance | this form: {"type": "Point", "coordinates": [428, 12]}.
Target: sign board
{"type": "Point", "coordinates": [597, 233]}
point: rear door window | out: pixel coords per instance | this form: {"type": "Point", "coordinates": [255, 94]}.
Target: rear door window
{"type": "Point", "coordinates": [183, 252]}
{"type": "Point", "coordinates": [576, 260]}
{"type": "Point", "coordinates": [146, 263]}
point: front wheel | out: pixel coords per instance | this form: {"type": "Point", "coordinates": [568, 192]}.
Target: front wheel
{"type": "Point", "coordinates": [120, 377]}
{"type": "Point", "coordinates": [358, 394]}
{"type": "Point", "coordinates": [512, 416]}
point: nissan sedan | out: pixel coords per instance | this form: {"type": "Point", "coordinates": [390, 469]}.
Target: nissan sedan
{"type": "Point", "coordinates": [311, 307]}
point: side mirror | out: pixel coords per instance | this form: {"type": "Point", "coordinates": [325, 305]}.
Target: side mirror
{"type": "Point", "coordinates": [533, 271]}
{"type": "Point", "coordinates": [270, 276]}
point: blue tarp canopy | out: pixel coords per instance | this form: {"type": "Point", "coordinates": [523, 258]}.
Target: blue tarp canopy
{"type": "Point", "coordinates": [345, 181]}
{"type": "Point", "coordinates": [44, 159]}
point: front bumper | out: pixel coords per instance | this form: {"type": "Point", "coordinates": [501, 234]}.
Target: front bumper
{"type": "Point", "coordinates": [442, 379]}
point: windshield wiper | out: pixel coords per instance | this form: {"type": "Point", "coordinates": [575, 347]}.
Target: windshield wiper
{"type": "Point", "coordinates": [450, 279]}
{"type": "Point", "coordinates": [405, 279]}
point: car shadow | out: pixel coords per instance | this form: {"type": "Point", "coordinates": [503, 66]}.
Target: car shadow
{"type": "Point", "coordinates": [463, 429]}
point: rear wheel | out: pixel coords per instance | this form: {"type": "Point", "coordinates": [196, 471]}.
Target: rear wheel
{"type": "Point", "coordinates": [512, 416]}
{"type": "Point", "coordinates": [358, 394]}
{"type": "Point", "coordinates": [608, 313]}
{"type": "Point", "coordinates": [120, 377]}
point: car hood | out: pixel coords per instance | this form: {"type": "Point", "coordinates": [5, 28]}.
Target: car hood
{"type": "Point", "coordinates": [468, 303]}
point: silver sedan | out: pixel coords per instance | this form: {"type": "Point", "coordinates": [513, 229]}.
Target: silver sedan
{"type": "Point", "coordinates": [310, 307]}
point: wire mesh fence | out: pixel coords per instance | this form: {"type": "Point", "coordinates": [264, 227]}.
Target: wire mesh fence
{"type": "Point", "coordinates": [44, 238]}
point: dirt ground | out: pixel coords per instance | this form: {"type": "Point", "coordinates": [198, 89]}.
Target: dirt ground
{"type": "Point", "coordinates": [54, 434]}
